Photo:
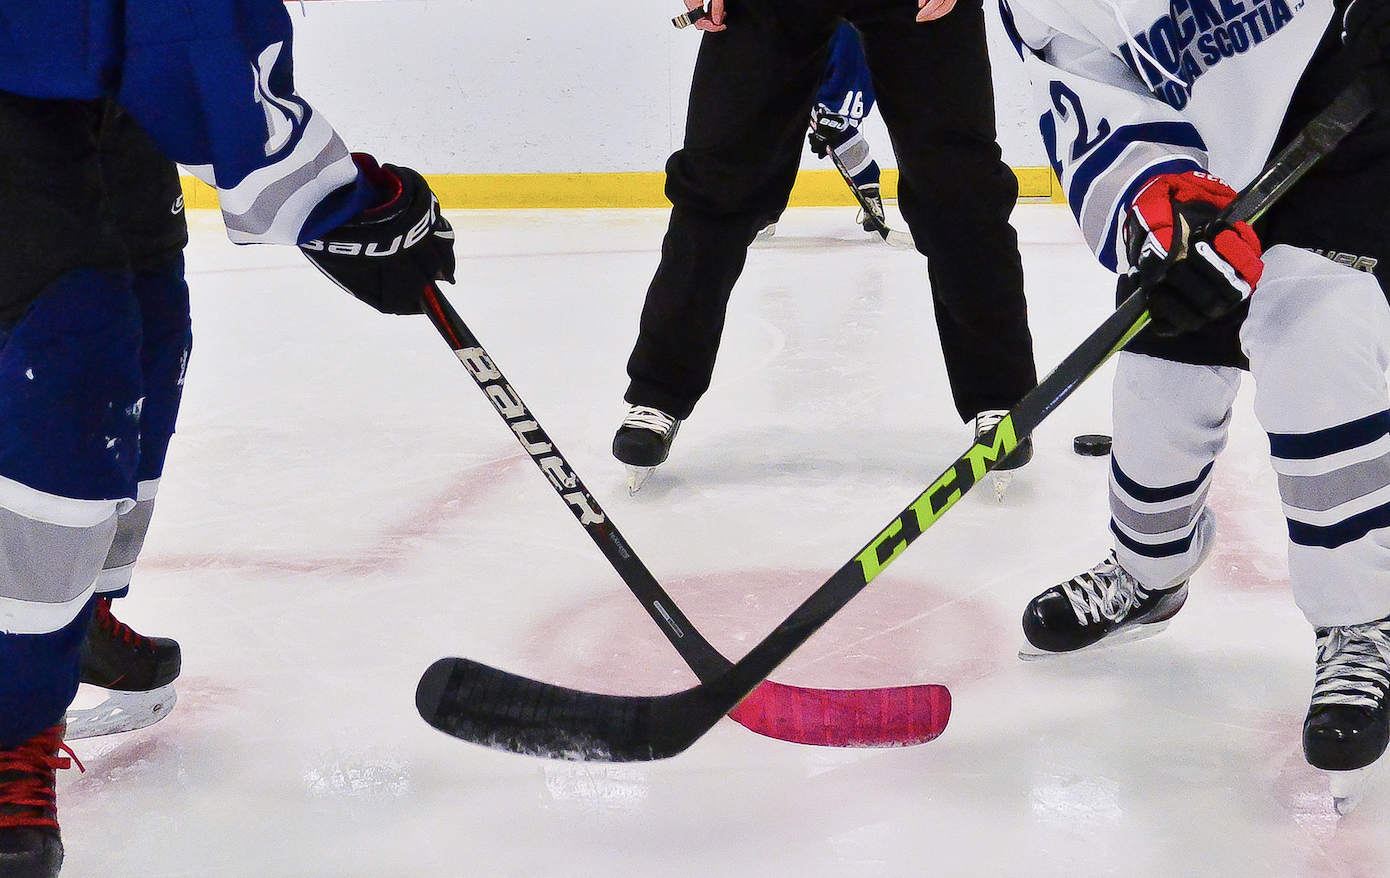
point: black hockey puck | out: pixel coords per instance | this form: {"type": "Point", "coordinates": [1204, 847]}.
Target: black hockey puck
{"type": "Point", "coordinates": [1091, 444]}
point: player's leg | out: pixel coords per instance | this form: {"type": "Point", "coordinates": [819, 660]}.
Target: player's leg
{"type": "Point", "coordinates": [935, 93]}
{"type": "Point", "coordinates": [115, 656]}
{"type": "Point", "coordinates": [749, 101]}
{"type": "Point", "coordinates": [145, 207]}
{"type": "Point", "coordinates": [845, 98]}
{"type": "Point", "coordinates": [69, 392]}
{"type": "Point", "coordinates": [1170, 422]}
{"type": "Point", "coordinates": [1318, 338]}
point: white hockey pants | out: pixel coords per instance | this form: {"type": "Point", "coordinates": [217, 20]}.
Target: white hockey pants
{"type": "Point", "coordinates": [1318, 340]}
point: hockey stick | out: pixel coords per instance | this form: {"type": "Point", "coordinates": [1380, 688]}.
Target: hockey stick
{"type": "Point", "coordinates": [506, 711]}
{"type": "Point", "coordinates": [894, 238]}
{"type": "Point", "coordinates": [884, 717]}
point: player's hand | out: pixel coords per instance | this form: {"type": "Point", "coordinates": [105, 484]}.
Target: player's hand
{"type": "Point", "coordinates": [387, 254]}
{"type": "Point", "coordinates": [931, 10]}
{"type": "Point", "coordinates": [1196, 270]}
{"type": "Point", "coordinates": [829, 131]}
{"type": "Point", "coordinates": [714, 21]}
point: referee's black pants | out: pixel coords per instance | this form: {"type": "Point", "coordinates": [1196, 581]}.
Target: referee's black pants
{"type": "Point", "coordinates": [750, 104]}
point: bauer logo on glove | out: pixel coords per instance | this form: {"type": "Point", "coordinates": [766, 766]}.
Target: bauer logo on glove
{"type": "Point", "coordinates": [386, 255]}
{"type": "Point", "coordinates": [1195, 268]}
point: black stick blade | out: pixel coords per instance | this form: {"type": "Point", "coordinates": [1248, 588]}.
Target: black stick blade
{"type": "Point", "coordinates": [505, 711]}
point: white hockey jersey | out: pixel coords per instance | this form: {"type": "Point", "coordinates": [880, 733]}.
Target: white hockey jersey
{"type": "Point", "coordinates": [1135, 88]}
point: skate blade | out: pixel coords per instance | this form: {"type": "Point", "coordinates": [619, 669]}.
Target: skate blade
{"type": "Point", "coordinates": [636, 476]}
{"type": "Point", "coordinates": [120, 712]}
{"type": "Point", "coordinates": [766, 233]}
{"type": "Point", "coordinates": [1349, 787]}
{"type": "Point", "coordinates": [1128, 634]}
{"type": "Point", "coordinates": [1001, 484]}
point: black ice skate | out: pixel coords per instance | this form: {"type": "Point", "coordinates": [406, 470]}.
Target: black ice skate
{"type": "Point", "coordinates": [137, 671]}
{"type": "Point", "coordinates": [30, 843]}
{"type": "Point", "coordinates": [1104, 605]}
{"type": "Point", "coordinates": [871, 216]}
{"type": "Point", "coordinates": [643, 442]}
{"type": "Point", "coordinates": [1348, 724]}
{"type": "Point", "coordinates": [1002, 473]}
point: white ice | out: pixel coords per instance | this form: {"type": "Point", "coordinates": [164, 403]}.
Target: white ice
{"type": "Point", "coordinates": [341, 507]}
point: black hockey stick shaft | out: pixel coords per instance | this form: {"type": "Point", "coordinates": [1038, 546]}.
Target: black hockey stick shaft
{"type": "Point", "coordinates": [697, 652]}
{"type": "Point", "coordinates": [879, 223]}
{"type": "Point", "coordinates": [498, 709]}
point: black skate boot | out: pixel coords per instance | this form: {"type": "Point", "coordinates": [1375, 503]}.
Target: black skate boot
{"type": "Point", "coordinates": [114, 656]}
{"type": "Point", "coordinates": [643, 442]}
{"type": "Point", "coordinates": [1348, 722]}
{"type": "Point", "coordinates": [874, 219]}
{"type": "Point", "coordinates": [30, 843]}
{"type": "Point", "coordinates": [1105, 604]}
{"type": "Point", "coordinates": [985, 421]}
{"type": "Point", "coordinates": [1002, 474]}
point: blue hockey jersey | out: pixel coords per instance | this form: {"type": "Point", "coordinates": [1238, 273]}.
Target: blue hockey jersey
{"type": "Point", "coordinates": [212, 82]}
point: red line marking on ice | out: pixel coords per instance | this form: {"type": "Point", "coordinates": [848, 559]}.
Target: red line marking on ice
{"type": "Point", "coordinates": [458, 499]}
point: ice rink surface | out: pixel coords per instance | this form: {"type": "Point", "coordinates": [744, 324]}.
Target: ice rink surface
{"type": "Point", "coordinates": [342, 506]}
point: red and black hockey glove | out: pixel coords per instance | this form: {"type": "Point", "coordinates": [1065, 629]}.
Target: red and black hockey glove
{"type": "Point", "coordinates": [387, 254]}
{"type": "Point", "coordinates": [1195, 270]}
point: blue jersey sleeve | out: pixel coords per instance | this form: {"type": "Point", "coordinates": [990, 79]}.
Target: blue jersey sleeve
{"type": "Point", "coordinates": [212, 82]}
{"type": "Point", "coordinates": [213, 85]}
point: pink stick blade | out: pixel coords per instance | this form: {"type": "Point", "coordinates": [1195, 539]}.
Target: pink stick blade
{"type": "Point", "coordinates": [898, 716]}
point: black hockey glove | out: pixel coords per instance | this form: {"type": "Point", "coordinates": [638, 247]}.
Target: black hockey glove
{"type": "Point", "coordinates": [828, 131]}
{"type": "Point", "coordinates": [387, 254]}
{"type": "Point", "coordinates": [1195, 271]}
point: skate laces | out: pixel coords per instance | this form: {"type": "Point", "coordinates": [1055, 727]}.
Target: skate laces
{"type": "Point", "coordinates": [1106, 591]}
{"type": "Point", "coordinates": [27, 795]}
{"type": "Point", "coordinates": [984, 421]}
{"type": "Point", "coordinates": [1353, 665]}
{"type": "Point", "coordinates": [117, 629]}
{"type": "Point", "coordinates": [645, 418]}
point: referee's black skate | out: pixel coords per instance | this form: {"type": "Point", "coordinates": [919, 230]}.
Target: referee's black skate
{"type": "Point", "coordinates": [1103, 606]}
{"type": "Point", "coordinates": [643, 442]}
{"type": "Point", "coordinates": [1002, 474]}
{"type": "Point", "coordinates": [31, 845]}
{"type": "Point", "coordinates": [1348, 723]}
